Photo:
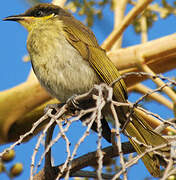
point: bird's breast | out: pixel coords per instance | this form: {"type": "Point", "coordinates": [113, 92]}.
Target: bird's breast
{"type": "Point", "coordinates": [59, 67]}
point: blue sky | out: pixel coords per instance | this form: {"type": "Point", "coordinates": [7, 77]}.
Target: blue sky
{"type": "Point", "coordinates": [14, 71]}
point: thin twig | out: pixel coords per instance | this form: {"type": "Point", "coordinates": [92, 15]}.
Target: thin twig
{"type": "Point", "coordinates": [119, 144]}
{"type": "Point", "coordinates": [34, 127]}
{"type": "Point", "coordinates": [51, 122]}
{"type": "Point", "coordinates": [100, 103]}
{"type": "Point", "coordinates": [76, 148]}
{"type": "Point", "coordinates": [157, 81]}
{"type": "Point", "coordinates": [165, 124]}
{"type": "Point", "coordinates": [141, 88]}
{"type": "Point", "coordinates": [168, 168]}
{"type": "Point", "coordinates": [138, 157]}
{"type": "Point", "coordinates": [37, 147]}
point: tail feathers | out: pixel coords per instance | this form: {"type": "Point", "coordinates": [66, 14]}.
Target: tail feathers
{"type": "Point", "coordinates": [140, 130]}
{"type": "Point", "coordinates": [150, 160]}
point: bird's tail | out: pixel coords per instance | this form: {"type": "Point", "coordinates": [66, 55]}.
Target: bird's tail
{"type": "Point", "coordinates": [141, 135]}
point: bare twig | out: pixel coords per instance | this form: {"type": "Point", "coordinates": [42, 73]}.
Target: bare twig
{"type": "Point", "coordinates": [51, 122]}
{"type": "Point", "coordinates": [119, 144]}
{"type": "Point", "coordinates": [35, 125]}
{"type": "Point", "coordinates": [65, 167]}
{"type": "Point", "coordinates": [100, 103]}
{"type": "Point", "coordinates": [168, 168]}
{"type": "Point", "coordinates": [37, 147]}
{"type": "Point", "coordinates": [165, 124]}
{"type": "Point", "coordinates": [138, 157]}
{"type": "Point", "coordinates": [140, 88]}
{"type": "Point", "coordinates": [157, 80]}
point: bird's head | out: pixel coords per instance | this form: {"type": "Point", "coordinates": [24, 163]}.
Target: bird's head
{"type": "Point", "coordinates": [37, 14]}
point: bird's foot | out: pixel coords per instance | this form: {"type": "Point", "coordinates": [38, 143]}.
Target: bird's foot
{"type": "Point", "coordinates": [73, 103]}
{"type": "Point", "coordinates": [55, 107]}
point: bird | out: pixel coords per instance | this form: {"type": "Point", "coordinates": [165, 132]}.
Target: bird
{"type": "Point", "coordinates": [67, 60]}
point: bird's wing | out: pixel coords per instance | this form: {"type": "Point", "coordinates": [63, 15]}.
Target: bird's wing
{"type": "Point", "coordinates": [85, 42]}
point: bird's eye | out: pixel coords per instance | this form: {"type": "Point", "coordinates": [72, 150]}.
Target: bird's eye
{"type": "Point", "coordinates": [39, 13]}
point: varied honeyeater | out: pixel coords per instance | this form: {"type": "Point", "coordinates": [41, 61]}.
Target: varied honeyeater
{"type": "Point", "coordinates": [67, 60]}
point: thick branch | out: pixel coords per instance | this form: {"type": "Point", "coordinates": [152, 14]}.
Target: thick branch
{"type": "Point", "coordinates": [156, 54]}
{"type": "Point", "coordinates": [119, 11]}
{"type": "Point", "coordinates": [89, 159]}
{"type": "Point", "coordinates": [113, 37]}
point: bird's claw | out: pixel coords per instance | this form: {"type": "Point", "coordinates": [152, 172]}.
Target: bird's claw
{"type": "Point", "coordinates": [73, 104]}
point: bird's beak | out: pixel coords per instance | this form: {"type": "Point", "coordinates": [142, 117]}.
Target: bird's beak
{"type": "Point", "coordinates": [20, 17]}
{"type": "Point", "coordinates": [14, 18]}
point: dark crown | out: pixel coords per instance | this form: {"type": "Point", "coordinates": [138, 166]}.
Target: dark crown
{"type": "Point", "coordinates": [45, 9]}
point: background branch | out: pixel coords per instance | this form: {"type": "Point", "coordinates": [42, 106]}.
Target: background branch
{"type": "Point", "coordinates": [89, 159]}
